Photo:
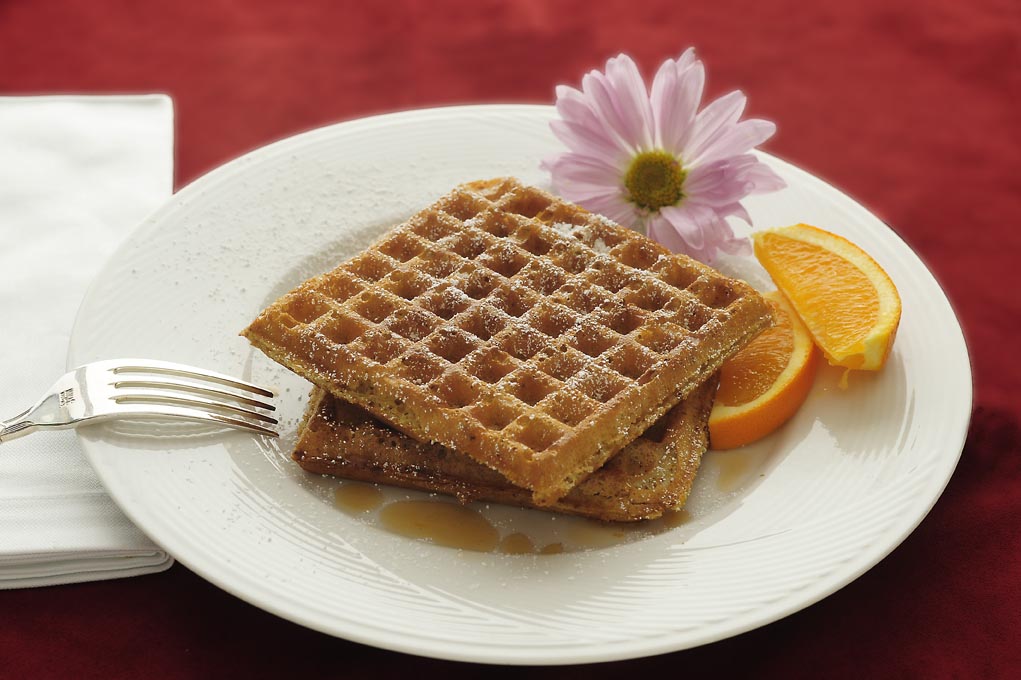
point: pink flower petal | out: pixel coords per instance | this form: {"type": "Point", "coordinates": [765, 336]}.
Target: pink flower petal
{"type": "Point", "coordinates": [687, 59]}
{"type": "Point", "coordinates": [719, 183]}
{"type": "Point", "coordinates": [724, 239]}
{"type": "Point", "coordinates": [711, 123]}
{"type": "Point", "coordinates": [632, 100]}
{"type": "Point", "coordinates": [578, 109]}
{"type": "Point", "coordinates": [576, 191]}
{"type": "Point", "coordinates": [613, 206]}
{"type": "Point", "coordinates": [664, 108]}
{"type": "Point", "coordinates": [609, 106]}
{"type": "Point", "coordinates": [764, 179]}
{"type": "Point", "coordinates": [601, 101]}
{"type": "Point", "coordinates": [735, 210]}
{"type": "Point", "coordinates": [574, 108]}
{"type": "Point", "coordinates": [734, 140]}
{"type": "Point", "coordinates": [676, 94]}
{"type": "Point", "coordinates": [661, 230]}
{"type": "Point", "coordinates": [577, 167]}
{"type": "Point", "coordinates": [687, 221]}
{"type": "Point", "coordinates": [703, 231]}
{"type": "Point", "coordinates": [581, 139]}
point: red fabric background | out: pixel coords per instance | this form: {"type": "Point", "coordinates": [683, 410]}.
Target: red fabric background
{"type": "Point", "coordinates": [910, 107]}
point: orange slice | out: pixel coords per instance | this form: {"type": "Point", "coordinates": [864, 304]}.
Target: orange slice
{"type": "Point", "coordinates": [765, 383]}
{"type": "Point", "coordinates": [846, 300]}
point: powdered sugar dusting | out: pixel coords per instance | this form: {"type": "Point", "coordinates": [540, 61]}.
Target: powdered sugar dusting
{"type": "Point", "coordinates": [565, 228]}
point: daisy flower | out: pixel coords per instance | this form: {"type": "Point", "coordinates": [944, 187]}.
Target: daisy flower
{"type": "Point", "coordinates": [654, 162]}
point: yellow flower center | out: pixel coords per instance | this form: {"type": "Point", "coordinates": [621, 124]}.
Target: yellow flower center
{"type": "Point", "coordinates": [654, 179]}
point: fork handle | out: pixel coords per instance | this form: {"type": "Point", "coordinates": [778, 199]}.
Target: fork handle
{"type": "Point", "coordinates": [18, 426]}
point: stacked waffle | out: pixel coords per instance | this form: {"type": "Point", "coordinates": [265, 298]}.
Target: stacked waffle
{"type": "Point", "coordinates": [506, 345]}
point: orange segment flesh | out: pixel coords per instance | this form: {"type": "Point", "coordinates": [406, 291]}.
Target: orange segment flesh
{"type": "Point", "coordinates": [849, 304]}
{"type": "Point", "coordinates": [752, 371]}
{"type": "Point", "coordinates": [765, 383]}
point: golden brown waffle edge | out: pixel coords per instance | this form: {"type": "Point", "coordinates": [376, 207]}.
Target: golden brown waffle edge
{"type": "Point", "coordinates": [515, 328]}
{"type": "Point", "coordinates": [649, 476]}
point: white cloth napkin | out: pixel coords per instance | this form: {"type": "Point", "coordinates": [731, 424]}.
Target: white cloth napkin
{"type": "Point", "coordinates": [77, 174]}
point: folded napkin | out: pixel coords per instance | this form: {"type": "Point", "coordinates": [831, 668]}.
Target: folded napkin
{"type": "Point", "coordinates": [76, 175]}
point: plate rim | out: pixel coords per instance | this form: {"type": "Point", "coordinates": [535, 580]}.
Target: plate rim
{"type": "Point", "coordinates": [502, 654]}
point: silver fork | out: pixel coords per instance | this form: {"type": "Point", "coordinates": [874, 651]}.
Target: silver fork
{"type": "Point", "coordinates": [141, 388]}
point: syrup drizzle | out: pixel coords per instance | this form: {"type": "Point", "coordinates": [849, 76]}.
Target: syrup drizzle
{"type": "Point", "coordinates": [447, 523]}
{"type": "Point", "coordinates": [455, 526]}
{"type": "Point", "coordinates": [463, 527]}
{"type": "Point", "coordinates": [356, 497]}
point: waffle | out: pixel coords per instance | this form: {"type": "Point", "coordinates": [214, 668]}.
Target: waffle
{"type": "Point", "coordinates": [515, 328]}
{"type": "Point", "coordinates": [650, 475]}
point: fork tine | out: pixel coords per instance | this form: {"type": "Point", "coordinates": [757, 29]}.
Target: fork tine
{"type": "Point", "coordinates": [143, 396]}
{"type": "Point", "coordinates": [193, 414]}
{"type": "Point", "coordinates": [170, 368]}
{"type": "Point", "coordinates": [153, 382]}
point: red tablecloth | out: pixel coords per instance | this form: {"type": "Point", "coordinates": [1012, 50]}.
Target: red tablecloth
{"type": "Point", "coordinates": [910, 107]}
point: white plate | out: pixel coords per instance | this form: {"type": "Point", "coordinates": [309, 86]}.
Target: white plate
{"type": "Point", "coordinates": [768, 531]}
